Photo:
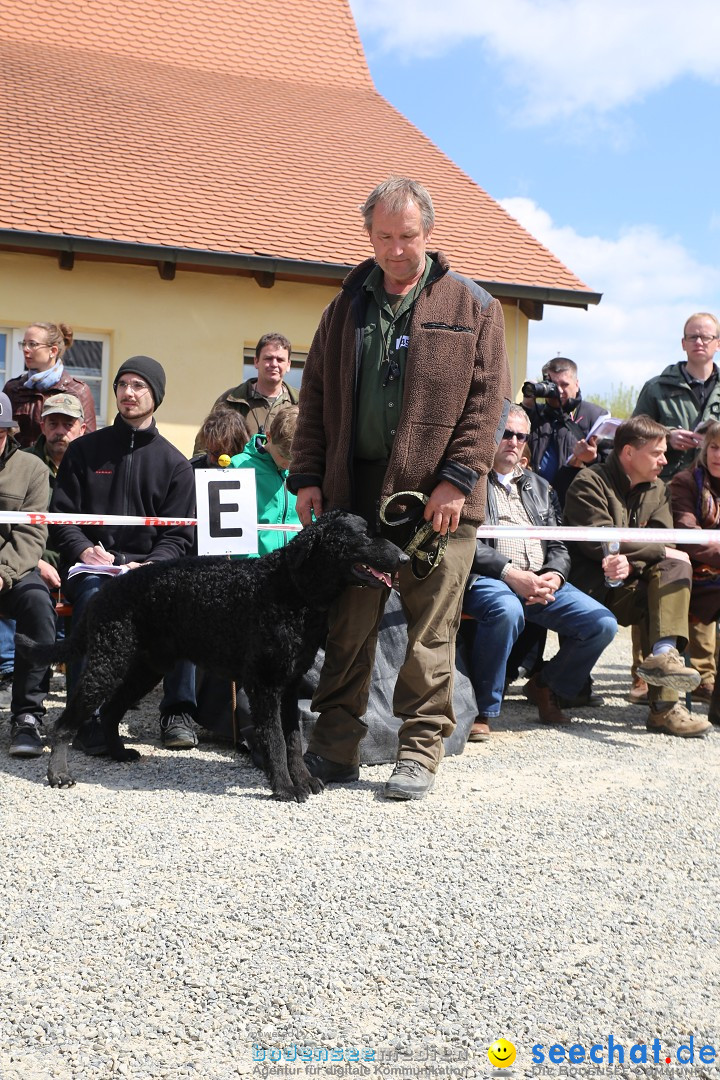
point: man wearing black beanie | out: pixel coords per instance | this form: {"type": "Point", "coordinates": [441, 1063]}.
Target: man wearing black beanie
{"type": "Point", "coordinates": [127, 468]}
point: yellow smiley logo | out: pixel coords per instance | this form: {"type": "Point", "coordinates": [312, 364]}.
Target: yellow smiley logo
{"type": "Point", "coordinates": [501, 1054]}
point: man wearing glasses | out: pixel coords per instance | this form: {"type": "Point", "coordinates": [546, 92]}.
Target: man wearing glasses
{"type": "Point", "coordinates": [127, 468]}
{"type": "Point", "coordinates": [515, 581]}
{"type": "Point", "coordinates": [686, 393]}
{"type": "Point", "coordinates": [682, 398]}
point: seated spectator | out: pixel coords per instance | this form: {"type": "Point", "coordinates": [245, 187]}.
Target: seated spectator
{"type": "Point", "coordinates": [61, 421]}
{"type": "Point", "coordinates": [626, 492]}
{"type": "Point", "coordinates": [24, 596]}
{"type": "Point", "coordinates": [43, 346]}
{"type": "Point", "coordinates": [517, 581]}
{"type": "Point", "coordinates": [127, 468]}
{"type": "Point", "coordinates": [269, 456]}
{"type": "Point", "coordinates": [696, 505]}
{"type": "Point", "coordinates": [224, 434]}
{"type": "Point", "coordinates": [256, 399]}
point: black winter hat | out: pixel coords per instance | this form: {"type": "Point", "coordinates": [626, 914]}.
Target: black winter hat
{"type": "Point", "coordinates": [152, 372]}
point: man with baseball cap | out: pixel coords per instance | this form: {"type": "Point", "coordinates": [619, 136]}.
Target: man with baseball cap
{"type": "Point", "coordinates": [127, 468]}
{"type": "Point", "coordinates": [23, 595]}
{"type": "Point", "coordinates": [62, 420]}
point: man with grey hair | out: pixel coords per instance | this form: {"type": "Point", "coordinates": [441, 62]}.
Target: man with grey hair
{"type": "Point", "coordinates": [405, 391]}
{"type": "Point", "coordinates": [515, 581]}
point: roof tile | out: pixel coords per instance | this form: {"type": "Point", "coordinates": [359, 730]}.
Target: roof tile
{"type": "Point", "coordinates": [230, 128]}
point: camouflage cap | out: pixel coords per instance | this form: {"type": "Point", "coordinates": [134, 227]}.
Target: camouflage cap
{"type": "Point", "coordinates": [66, 404]}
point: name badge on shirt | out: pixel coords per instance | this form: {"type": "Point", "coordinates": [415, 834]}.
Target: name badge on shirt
{"type": "Point", "coordinates": [402, 342]}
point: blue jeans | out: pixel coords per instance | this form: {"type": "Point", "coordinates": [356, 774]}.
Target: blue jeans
{"type": "Point", "coordinates": [7, 646]}
{"type": "Point", "coordinates": [585, 626]}
{"type": "Point", "coordinates": [178, 685]}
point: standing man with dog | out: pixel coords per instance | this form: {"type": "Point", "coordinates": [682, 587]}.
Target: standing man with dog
{"type": "Point", "coordinates": [405, 390]}
{"type": "Point", "coordinates": [126, 468]}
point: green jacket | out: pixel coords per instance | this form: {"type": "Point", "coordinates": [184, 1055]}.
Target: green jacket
{"type": "Point", "coordinates": [275, 504]}
{"type": "Point", "coordinates": [23, 486]}
{"type": "Point", "coordinates": [254, 410]}
{"type": "Point", "coordinates": [38, 450]}
{"type": "Point", "coordinates": [601, 496]}
{"type": "Point", "coordinates": [668, 399]}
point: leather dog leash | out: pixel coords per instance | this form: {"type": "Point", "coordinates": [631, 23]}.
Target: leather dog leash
{"type": "Point", "coordinates": [425, 558]}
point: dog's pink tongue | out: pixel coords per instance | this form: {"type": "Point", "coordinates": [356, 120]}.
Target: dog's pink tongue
{"type": "Point", "coordinates": [385, 578]}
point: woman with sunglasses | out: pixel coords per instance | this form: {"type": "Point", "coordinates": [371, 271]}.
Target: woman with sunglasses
{"type": "Point", "coordinates": [43, 347]}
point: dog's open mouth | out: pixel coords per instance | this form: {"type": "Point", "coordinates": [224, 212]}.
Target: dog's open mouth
{"type": "Point", "coordinates": [368, 576]}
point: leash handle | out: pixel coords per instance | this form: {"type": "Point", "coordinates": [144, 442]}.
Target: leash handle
{"type": "Point", "coordinates": [427, 560]}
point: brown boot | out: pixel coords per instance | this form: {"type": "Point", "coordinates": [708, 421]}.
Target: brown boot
{"type": "Point", "coordinates": [638, 692]}
{"type": "Point", "coordinates": [480, 731]}
{"type": "Point", "coordinates": [547, 706]}
{"type": "Point", "coordinates": [714, 707]}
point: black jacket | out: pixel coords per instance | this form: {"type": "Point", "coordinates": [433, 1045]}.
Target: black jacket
{"type": "Point", "coordinates": [560, 426]}
{"type": "Point", "coordinates": [122, 470]}
{"type": "Point", "coordinates": [541, 505]}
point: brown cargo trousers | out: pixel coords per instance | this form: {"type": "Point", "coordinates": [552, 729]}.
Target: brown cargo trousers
{"type": "Point", "coordinates": [657, 603]}
{"type": "Point", "coordinates": [424, 687]}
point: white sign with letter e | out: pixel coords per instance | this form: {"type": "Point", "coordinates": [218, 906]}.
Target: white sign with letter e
{"type": "Point", "coordinates": [226, 512]}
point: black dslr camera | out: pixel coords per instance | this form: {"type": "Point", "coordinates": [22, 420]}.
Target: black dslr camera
{"type": "Point", "coordinates": [540, 390]}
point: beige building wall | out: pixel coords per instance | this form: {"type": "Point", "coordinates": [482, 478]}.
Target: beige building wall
{"type": "Point", "coordinates": [196, 325]}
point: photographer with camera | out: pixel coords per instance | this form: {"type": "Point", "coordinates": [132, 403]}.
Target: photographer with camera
{"type": "Point", "coordinates": [560, 422]}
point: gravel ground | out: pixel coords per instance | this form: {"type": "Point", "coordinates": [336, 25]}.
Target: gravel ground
{"type": "Point", "coordinates": [166, 918]}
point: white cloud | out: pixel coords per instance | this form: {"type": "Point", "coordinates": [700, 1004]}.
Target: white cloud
{"type": "Point", "coordinates": [564, 55]}
{"type": "Point", "coordinates": [650, 284]}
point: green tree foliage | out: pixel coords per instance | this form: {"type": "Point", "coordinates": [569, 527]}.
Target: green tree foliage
{"type": "Point", "coordinates": [619, 401]}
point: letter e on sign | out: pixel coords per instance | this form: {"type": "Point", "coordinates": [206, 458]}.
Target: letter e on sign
{"type": "Point", "coordinates": [226, 512]}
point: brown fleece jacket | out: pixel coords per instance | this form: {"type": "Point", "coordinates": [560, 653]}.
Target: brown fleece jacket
{"type": "Point", "coordinates": [600, 496]}
{"type": "Point", "coordinates": [455, 401]}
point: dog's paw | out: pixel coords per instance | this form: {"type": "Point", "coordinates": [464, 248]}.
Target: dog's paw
{"type": "Point", "coordinates": [60, 779]}
{"type": "Point", "coordinates": [127, 755]}
{"type": "Point", "coordinates": [286, 794]}
{"type": "Point", "coordinates": [316, 785]}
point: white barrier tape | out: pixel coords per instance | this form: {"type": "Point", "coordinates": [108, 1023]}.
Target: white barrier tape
{"type": "Point", "coordinates": [24, 517]}
{"type": "Point", "coordinates": [510, 532]}
{"type": "Point", "coordinates": [601, 535]}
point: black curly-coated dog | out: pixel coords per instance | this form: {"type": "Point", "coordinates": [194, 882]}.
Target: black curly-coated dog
{"type": "Point", "coordinates": [258, 622]}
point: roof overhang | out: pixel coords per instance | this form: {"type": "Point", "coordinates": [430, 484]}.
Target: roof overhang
{"type": "Point", "coordinates": [264, 268]}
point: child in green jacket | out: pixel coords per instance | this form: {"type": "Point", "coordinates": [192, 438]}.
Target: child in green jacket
{"type": "Point", "coordinates": [269, 456]}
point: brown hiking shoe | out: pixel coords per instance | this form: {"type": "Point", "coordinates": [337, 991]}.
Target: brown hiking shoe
{"type": "Point", "coordinates": [638, 692]}
{"type": "Point", "coordinates": [547, 706]}
{"type": "Point", "coordinates": [669, 669]}
{"type": "Point", "coordinates": [678, 721]}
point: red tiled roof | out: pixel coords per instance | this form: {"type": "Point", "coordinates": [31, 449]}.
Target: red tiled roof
{"type": "Point", "coordinates": [242, 127]}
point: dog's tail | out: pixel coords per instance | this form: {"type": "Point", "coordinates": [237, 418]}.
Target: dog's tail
{"type": "Point", "coordinates": [69, 648]}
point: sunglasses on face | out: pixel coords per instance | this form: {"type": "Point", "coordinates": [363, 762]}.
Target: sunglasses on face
{"type": "Point", "coordinates": [521, 436]}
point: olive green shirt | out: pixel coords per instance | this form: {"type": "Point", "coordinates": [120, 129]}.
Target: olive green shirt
{"type": "Point", "coordinates": [384, 356]}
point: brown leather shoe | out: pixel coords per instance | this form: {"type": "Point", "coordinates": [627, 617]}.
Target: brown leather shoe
{"type": "Point", "coordinates": [703, 692]}
{"type": "Point", "coordinates": [638, 692]}
{"type": "Point", "coordinates": [547, 706]}
{"type": "Point", "coordinates": [480, 731]}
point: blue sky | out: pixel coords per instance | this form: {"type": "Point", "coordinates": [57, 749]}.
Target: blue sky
{"type": "Point", "coordinates": [597, 126]}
